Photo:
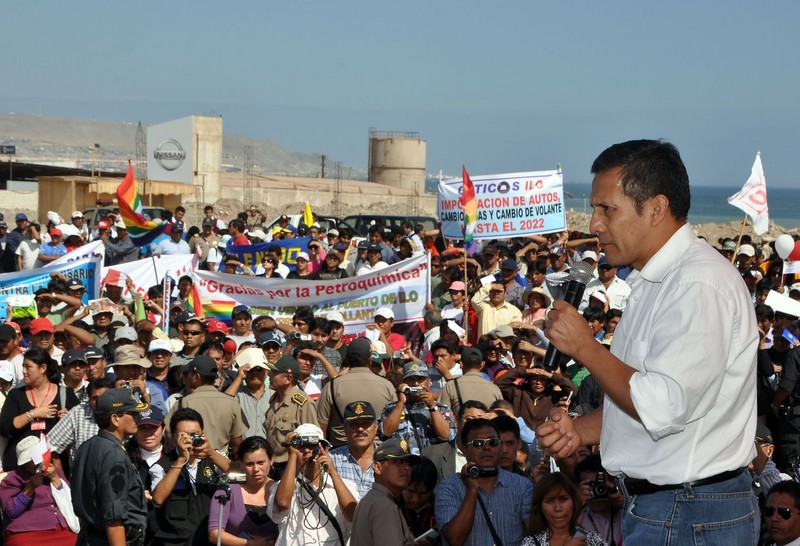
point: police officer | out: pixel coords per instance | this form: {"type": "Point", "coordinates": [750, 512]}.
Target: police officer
{"type": "Point", "coordinates": [289, 408]}
{"type": "Point", "coordinates": [416, 416]}
{"type": "Point", "coordinates": [107, 491]}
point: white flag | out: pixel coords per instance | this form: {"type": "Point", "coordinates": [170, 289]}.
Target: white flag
{"type": "Point", "coordinates": [752, 198]}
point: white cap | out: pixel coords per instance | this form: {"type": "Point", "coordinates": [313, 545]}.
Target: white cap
{"type": "Point", "coordinates": [6, 370]}
{"type": "Point", "coordinates": [126, 332]}
{"type": "Point", "coordinates": [303, 255]}
{"type": "Point", "coordinates": [795, 286]}
{"type": "Point", "coordinates": [747, 250]}
{"type": "Point", "coordinates": [159, 345]}
{"type": "Point", "coordinates": [23, 449]}
{"type": "Point", "coordinates": [77, 214]}
{"type": "Point", "coordinates": [600, 295]}
{"type": "Point", "coordinates": [257, 234]}
{"type": "Point", "coordinates": [385, 312]}
{"type": "Point", "coordinates": [252, 356]}
{"type": "Point", "coordinates": [590, 254]}
{"type": "Point", "coordinates": [335, 316]}
{"type": "Point", "coordinates": [308, 429]}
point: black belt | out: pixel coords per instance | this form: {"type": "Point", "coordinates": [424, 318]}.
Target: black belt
{"type": "Point", "coordinates": [635, 486]}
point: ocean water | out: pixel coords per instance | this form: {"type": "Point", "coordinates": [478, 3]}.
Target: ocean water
{"type": "Point", "coordinates": [710, 204]}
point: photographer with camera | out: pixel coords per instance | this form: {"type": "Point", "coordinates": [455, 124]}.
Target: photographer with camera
{"type": "Point", "coordinates": [311, 504]}
{"type": "Point", "coordinates": [483, 504]}
{"type": "Point", "coordinates": [183, 481]}
{"type": "Point", "coordinates": [288, 408]}
{"type": "Point", "coordinates": [416, 416]}
{"type": "Point", "coordinates": [602, 500]}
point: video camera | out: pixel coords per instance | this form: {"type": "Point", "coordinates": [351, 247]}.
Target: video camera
{"type": "Point", "coordinates": [408, 391]}
{"type": "Point", "coordinates": [308, 441]}
{"type": "Point", "coordinates": [474, 471]}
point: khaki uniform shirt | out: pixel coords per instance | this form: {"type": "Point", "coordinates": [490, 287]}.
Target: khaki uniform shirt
{"type": "Point", "coordinates": [222, 415]}
{"type": "Point", "coordinates": [283, 416]}
{"type": "Point", "coordinates": [357, 384]}
{"type": "Point", "coordinates": [379, 520]}
{"type": "Point", "coordinates": [473, 387]}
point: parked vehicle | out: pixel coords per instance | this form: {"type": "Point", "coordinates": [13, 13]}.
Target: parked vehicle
{"type": "Point", "coordinates": [360, 223]}
{"type": "Point", "coordinates": [327, 222]}
{"type": "Point", "coordinates": [95, 214]}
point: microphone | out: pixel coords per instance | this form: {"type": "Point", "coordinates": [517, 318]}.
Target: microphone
{"type": "Point", "coordinates": [580, 274]}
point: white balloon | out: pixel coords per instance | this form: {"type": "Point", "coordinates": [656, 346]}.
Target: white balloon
{"type": "Point", "coordinates": [784, 246]}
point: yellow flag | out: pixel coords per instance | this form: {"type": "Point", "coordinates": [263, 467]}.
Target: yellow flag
{"type": "Point", "coordinates": [308, 218]}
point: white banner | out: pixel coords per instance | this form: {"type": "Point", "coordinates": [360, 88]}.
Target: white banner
{"type": "Point", "coordinates": [95, 248]}
{"type": "Point", "coordinates": [752, 198]}
{"type": "Point", "coordinates": [509, 205]}
{"type": "Point", "coordinates": [403, 287]}
{"type": "Point", "coordinates": [149, 272]}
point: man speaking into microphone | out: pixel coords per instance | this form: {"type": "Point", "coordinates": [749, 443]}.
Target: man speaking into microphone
{"type": "Point", "coordinates": [678, 420]}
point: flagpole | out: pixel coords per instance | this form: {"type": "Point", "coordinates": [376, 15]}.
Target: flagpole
{"type": "Point", "coordinates": [739, 240]}
{"type": "Point", "coordinates": [466, 297]}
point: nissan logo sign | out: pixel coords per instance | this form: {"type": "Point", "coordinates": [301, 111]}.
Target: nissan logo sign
{"type": "Point", "coordinates": [169, 154]}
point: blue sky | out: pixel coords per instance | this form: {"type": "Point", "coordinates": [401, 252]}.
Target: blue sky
{"type": "Point", "coordinates": [499, 86]}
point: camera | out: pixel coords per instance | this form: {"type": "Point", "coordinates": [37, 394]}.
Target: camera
{"type": "Point", "coordinates": [305, 441]}
{"type": "Point", "coordinates": [198, 440]}
{"type": "Point", "coordinates": [297, 336]}
{"type": "Point", "coordinates": [474, 471]}
{"type": "Point", "coordinates": [398, 355]}
{"type": "Point", "coordinates": [600, 487]}
{"type": "Point", "coordinates": [408, 391]}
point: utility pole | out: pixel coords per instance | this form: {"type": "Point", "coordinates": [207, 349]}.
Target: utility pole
{"type": "Point", "coordinates": [324, 157]}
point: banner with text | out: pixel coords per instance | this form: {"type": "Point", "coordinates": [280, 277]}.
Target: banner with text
{"type": "Point", "coordinates": [403, 287]}
{"type": "Point", "coordinates": [149, 272]}
{"type": "Point", "coordinates": [509, 205]}
{"type": "Point", "coordinates": [95, 248]}
{"type": "Point", "coordinates": [25, 283]}
{"type": "Point", "coordinates": [251, 255]}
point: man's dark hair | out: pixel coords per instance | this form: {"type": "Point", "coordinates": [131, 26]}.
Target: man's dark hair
{"type": "Point", "coordinates": [238, 224]}
{"type": "Point", "coordinates": [788, 487]}
{"type": "Point", "coordinates": [593, 313]}
{"type": "Point", "coordinates": [611, 313]}
{"type": "Point", "coordinates": [101, 383]}
{"type": "Point", "coordinates": [649, 168]}
{"type": "Point", "coordinates": [180, 209]}
{"type": "Point", "coordinates": [454, 273]}
{"type": "Point", "coordinates": [472, 424]}
{"type": "Point", "coordinates": [764, 311]}
{"type": "Point", "coordinates": [211, 345]}
{"type": "Point", "coordinates": [592, 463]}
{"type": "Point", "coordinates": [344, 232]}
{"type": "Point", "coordinates": [443, 344]}
{"type": "Point", "coordinates": [304, 313]}
{"type": "Point", "coordinates": [504, 423]}
{"type": "Point", "coordinates": [537, 267]}
{"type": "Point", "coordinates": [186, 278]}
{"type": "Point", "coordinates": [207, 208]}
{"type": "Point", "coordinates": [184, 414]}
{"type": "Point", "coordinates": [155, 291]}
{"type": "Point", "coordinates": [433, 317]}
{"type": "Point", "coordinates": [376, 229]}
{"type": "Point", "coordinates": [320, 323]}
{"type": "Point", "coordinates": [425, 472]}
{"type": "Point", "coordinates": [472, 404]}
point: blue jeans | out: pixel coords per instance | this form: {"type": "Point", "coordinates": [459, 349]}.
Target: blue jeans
{"type": "Point", "coordinates": [724, 513]}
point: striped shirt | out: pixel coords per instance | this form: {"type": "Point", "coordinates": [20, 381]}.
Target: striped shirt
{"type": "Point", "coordinates": [76, 427]}
{"type": "Point", "coordinates": [348, 468]}
{"type": "Point", "coordinates": [508, 505]}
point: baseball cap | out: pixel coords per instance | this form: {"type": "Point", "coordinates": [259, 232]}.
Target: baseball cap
{"type": "Point", "coordinates": [458, 285]}
{"type": "Point", "coordinates": [557, 250]}
{"type": "Point", "coordinates": [763, 434]}
{"type": "Point", "coordinates": [20, 217]}
{"type": "Point", "coordinates": [159, 345]}
{"type": "Point", "coordinates": [728, 244]}
{"type": "Point", "coordinates": [187, 316]}
{"type": "Point", "coordinates": [126, 332]}
{"type": "Point", "coordinates": [364, 244]}
{"type": "Point", "coordinates": [395, 449]}
{"type": "Point", "coordinates": [119, 401]}
{"type": "Point", "coordinates": [415, 369]}
{"type": "Point", "coordinates": [103, 224]}
{"type": "Point", "coordinates": [384, 312]}
{"type": "Point", "coordinates": [269, 337]}
{"type": "Point", "coordinates": [605, 263]}
{"type": "Point", "coordinates": [216, 326]}
{"type": "Point", "coordinates": [303, 256]}
{"type": "Point", "coordinates": [128, 355]}
{"type": "Point", "coordinates": [509, 264]}
{"type": "Point", "coordinates": [75, 284]}
{"type": "Point", "coordinates": [340, 247]}
{"type": "Point", "coordinates": [203, 365]}
{"type": "Point", "coordinates": [335, 316]}
{"type": "Point", "coordinates": [471, 355]}
{"type": "Point", "coordinates": [93, 353]}
{"type": "Point", "coordinates": [207, 222]}
{"type": "Point", "coordinates": [283, 218]}
{"type": "Point", "coordinates": [252, 356]}
{"type": "Point", "coordinates": [77, 214]}
{"type": "Point", "coordinates": [310, 429]}
{"type": "Point", "coordinates": [240, 309]}
{"type": "Point", "coordinates": [257, 234]}
{"type": "Point", "coordinates": [155, 416]}
{"type": "Point", "coordinates": [356, 411]}
{"type": "Point", "coordinates": [287, 364]}
{"type": "Point", "coordinates": [6, 370]}
{"type": "Point", "coordinates": [490, 250]}
{"type": "Point", "coordinates": [503, 330]}
{"type": "Point", "coordinates": [747, 250]}
{"type": "Point", "coordinates": [41, 325]}
{"type": "Point", "coordinates": [73, 355]}
{"type": "Point", "coordinates": [334, 232]}
{"type": "Point", "coordinates": [590, 255]}
{"type": "Point", "coordinates": [176, 226]}
{"type": "Point", "coordinates": [359, 349]}
{"type": "Point", "coordinates": [55, 232]}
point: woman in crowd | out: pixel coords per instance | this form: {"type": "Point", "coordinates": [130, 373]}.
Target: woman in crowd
{"type": "Point", "coordinates": [35, 407]}
{"type": "Point", "coordinates": [30, 513]}
{"type": "Point", "coordinates": [302, 271]}
{"type": "Point", "coordinates": [537, 301]}
{"type": "Point", "coordinates": [554, 515]}
{"type": "Point", "coordinates": [244, 516]}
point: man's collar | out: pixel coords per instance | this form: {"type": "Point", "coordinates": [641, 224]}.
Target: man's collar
{"type": "Point", "coordinates": [668, 256]}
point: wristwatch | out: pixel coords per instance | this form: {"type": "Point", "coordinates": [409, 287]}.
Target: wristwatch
{"type": "Point", "coordinates": [434, 408]}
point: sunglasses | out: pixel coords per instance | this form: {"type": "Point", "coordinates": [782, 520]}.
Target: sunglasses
{"type": "Point", "coordinates": [192, 332]}
{"type": "Point", "coordinates": [783, 512]}
{"type": "Point", "coordinates": [480, 442]}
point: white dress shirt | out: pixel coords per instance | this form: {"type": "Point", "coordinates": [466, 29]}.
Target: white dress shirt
{"type": "Point", "coordinates": [690, 332]}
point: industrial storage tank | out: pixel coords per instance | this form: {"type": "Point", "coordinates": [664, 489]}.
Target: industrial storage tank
{"type": "Point", "coordinates": [397, 159]}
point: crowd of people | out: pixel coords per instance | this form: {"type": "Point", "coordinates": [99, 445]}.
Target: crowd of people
{"type": "Point", "coordinates": [258, 432]}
